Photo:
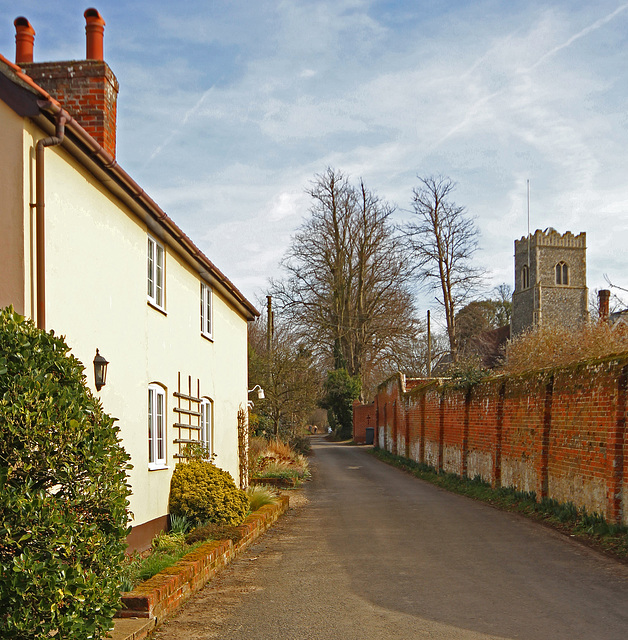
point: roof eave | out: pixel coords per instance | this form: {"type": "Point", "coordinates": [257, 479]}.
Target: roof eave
{"type": "Point", "coordinates": [82, 146]}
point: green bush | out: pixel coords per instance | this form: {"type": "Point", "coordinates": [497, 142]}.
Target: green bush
{"type": "Point", "coordinates": [63, 492]}
{"type": "Point", "coordinates": [204, 493]}
{"type": "Point", "coordinates": [341, 389]}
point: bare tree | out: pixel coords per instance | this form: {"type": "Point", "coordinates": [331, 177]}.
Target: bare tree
{"type": "Point", "coordinates": [291, 381]}
{"type": "Point", "coordinates": [444, 239]}
{"type": "Point", "coordinates": [503, 299]}
{"type": "Point", "coordinates": [347, 291]}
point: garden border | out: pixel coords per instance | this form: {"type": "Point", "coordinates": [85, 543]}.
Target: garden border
{"type": "Point", "coordinates": [160, 596]}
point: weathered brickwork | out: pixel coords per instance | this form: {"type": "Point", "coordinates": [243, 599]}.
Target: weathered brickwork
{"type": "Point", "coordinates": [364, 417]}
{"type": "Point", "coordinates": [165, 592]}
{"type": "Point", "coordinates": [87, 89]}
{"type": "Point", "coordinates": [561, 433]}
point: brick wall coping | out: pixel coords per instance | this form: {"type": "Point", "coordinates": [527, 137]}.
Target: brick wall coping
{"type": "Point", "coordinates": [160, 596]}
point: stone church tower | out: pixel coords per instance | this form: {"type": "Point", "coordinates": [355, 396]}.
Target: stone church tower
{"type": "Point", "coordinates": [550, 280]}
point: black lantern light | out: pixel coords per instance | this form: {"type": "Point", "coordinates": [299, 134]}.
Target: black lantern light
{"type": "Point", "coordinates": [100, 371]}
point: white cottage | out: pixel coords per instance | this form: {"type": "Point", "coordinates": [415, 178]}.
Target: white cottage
{"type": "Point", "coordinates": [85, 252]}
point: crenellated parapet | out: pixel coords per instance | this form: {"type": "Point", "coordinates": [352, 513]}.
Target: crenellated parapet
{"type": "Point", "coordinates": [552, 238]}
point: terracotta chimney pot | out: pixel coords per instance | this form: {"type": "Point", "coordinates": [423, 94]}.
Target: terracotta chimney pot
{"type": "Point", "coordinates": [24, 40]}
{"type": "Point", "coordinates": [95, 31]}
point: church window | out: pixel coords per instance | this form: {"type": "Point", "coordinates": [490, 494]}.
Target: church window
{"type": "Point", "coordinates": [562, 273]}
{"type": "Point", "coordinates": [525, 277]}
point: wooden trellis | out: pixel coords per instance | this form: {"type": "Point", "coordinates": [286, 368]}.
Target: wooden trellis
{"type": "Point", "coordinates": [188, 410]}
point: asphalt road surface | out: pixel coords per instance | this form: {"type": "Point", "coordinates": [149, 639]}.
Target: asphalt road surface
{"type": "Point", "coordinates": [378, 555]}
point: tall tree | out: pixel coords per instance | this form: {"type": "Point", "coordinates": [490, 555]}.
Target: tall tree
{"type": "Point", "coordinates": [291, 382]}
{"type": "Point", "coordinates": [473, 320]}
{"type": "Point", "coordinates": [347, 287]}
{"type": "Point", "coordinates": [444, 238]}
{"type": "Point", "coordinates": [502, 294]}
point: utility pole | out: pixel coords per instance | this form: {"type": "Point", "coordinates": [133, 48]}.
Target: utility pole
{"type": "Point", "coordinates": [269, 323]}
{"type": "Point", "coordinates": [429, 347]}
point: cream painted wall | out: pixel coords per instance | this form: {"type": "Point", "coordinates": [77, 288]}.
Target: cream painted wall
{"type": "Point", "coordinates": [13, 215]}
{"type": "Point", "coordinates": [96, 297]}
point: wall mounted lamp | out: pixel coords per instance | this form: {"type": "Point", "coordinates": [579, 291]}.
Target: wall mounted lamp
{"type": "Point", "coordinates": [260, 391]}
{"type": "Point", "coordinates": [100, 371]}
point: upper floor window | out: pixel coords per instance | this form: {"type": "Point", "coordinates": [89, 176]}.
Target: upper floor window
{"type": "Point", "coordinates": [156, 270]}
{"type": "Point", "coordinates": [562, 273]}
{"type": "Point", "coordinates": [525, 277]}
{"type": "Point", "coordinates": [205, 437]}
{"type": "Point", "coordinates": [156, 427]}
{"type": "Point", "coordinates": [206, 311]}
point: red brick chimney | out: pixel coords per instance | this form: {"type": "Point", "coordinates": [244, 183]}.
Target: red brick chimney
{"type": "Point", "coordinates": [87, 89]}
{"type": "Point", "coordinates": [604, 296]}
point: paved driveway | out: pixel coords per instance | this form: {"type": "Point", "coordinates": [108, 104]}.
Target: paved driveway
{"type": "Point", "coordinates": [377, 554]}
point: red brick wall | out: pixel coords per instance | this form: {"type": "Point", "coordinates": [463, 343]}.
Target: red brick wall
{"type": "Point", "coordinates": [483, 455]}
{"type": "Point", "coordinates": [363, 417]}
{"type": "Point", "coordinates": [87, 89]}
{"type": "Point", "coordinates": [561, 433]}
{"type": "Point", "coordinates": [522, 433]}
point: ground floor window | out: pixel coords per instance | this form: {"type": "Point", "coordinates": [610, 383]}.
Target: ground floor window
{"type": "Point", "coordinates": [206, 425]}
{"type": "Point", "coordinates": [156, 427]}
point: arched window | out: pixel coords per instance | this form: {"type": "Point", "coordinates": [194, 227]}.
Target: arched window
{"type": "Point", "coordinates": [562, 273]}
{"type": "Point", "coordinates": [156, 427]}
{"type": "Point", "coordinates": [525, 276]}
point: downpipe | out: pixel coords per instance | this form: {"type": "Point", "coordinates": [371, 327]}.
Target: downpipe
{"type": "Point", "coordinates": [40, 219]}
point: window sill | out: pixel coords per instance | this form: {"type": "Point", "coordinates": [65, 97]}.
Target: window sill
{"type": "Point", "coordinates": [207, 336]}
{"type": "Point", "coordinates": [155, 306]}
{"type": "Point", "coordinates": [157, 467]}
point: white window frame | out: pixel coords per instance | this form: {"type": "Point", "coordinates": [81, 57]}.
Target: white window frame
{"type": "Point", "coordinates": [156, 273]}
{"type": "Point", "coordinates": [156, 427]}
{"type": "Point", "coordinates": [207, 311]}
{"type": "Point", "coordinates": [205, 434]}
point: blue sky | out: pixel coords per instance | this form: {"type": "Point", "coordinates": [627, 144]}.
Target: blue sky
{"type": "Point", "coordinates": [227, 110]}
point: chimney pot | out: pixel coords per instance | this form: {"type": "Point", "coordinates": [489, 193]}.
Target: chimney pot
{"type": "Point", "coordinates": [604, 296]}
{"type": "Point", "coordinates": [24, 40]}
{"type": "Point", "coordinates": [95, 31]}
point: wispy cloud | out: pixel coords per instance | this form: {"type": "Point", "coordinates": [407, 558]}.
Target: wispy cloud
{"type": "Point", "coordinates": [227, 110]}
{"type": "Point", "coordinates": [176, 131]}
{"type": "Point", "coordinates": [581, 34]}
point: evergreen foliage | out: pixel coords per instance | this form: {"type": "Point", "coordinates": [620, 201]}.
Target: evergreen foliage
{"type": "Point", "coordinates": [341, 389]}
{"type": "Point", "coordinates": [63, 492]}
{"type": "Point", "coordinates": [202, 492]}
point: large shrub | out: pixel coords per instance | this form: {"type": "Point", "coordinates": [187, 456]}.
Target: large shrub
{"type": "Point", "coordinates": [556, 346]}
{"type": "Point", "coordinates": [204, 493]}
{"type": "Point", "coordinates": [341, 389]}
{"type": "Point", "coordinates": [63, 492]}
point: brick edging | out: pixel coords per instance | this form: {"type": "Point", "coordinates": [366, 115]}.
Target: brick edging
{"type": "Point", "coordinates": [159, 596]}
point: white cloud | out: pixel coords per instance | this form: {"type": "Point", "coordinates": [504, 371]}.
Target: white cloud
{"type": "Point", "coordinates": [228, 110]}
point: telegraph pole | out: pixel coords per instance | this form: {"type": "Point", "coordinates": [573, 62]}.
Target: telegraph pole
{"type": "Point", "coordinates": [429, 346]}
{"type": "Point", "coordinates": [269, 323]}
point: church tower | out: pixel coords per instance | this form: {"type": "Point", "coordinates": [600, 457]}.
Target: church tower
{"type": "Point", "coordinates": [550, 280]}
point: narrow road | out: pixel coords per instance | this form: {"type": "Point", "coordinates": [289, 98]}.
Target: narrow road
{"type": "Point", "coordinates": [378, 555]}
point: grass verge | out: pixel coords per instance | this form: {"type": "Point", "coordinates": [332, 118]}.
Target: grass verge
{"type": "Point", "coordinates": [141, 567]}
{"type": "Point", "coordinates": [591, 529]}
{"type": "Point", "coordinates": [168, 548]}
